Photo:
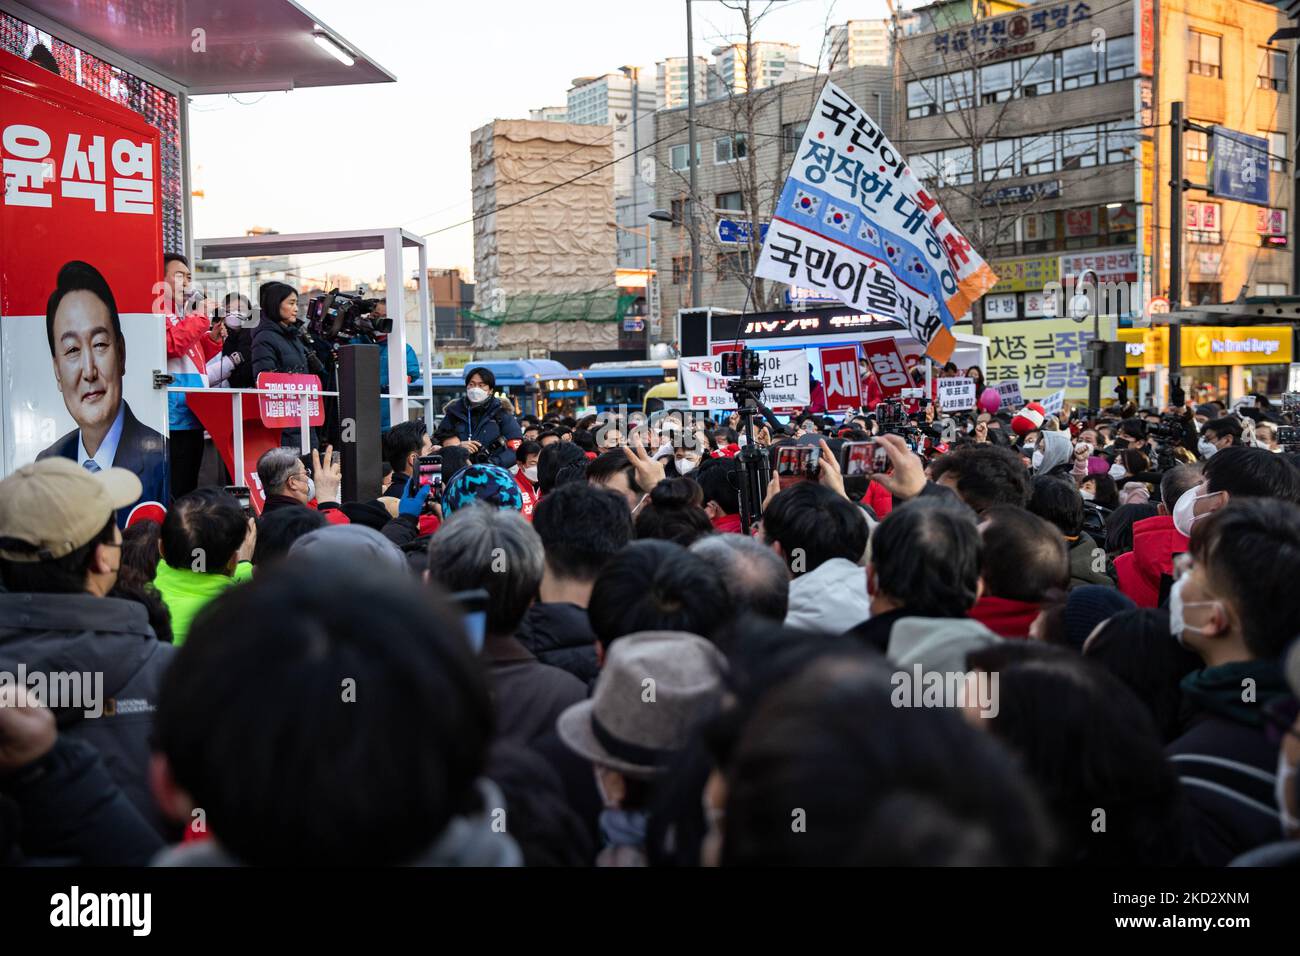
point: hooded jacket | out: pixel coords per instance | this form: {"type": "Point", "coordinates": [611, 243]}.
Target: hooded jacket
{"type": "Point", "coordinates": [1056, 451]}
{"type": "Point", "coordinates": [1005, 617]}
{"type": "Point", "coordinates": [936, 643]}
{"type": "Point", "coordinates": [831, 598]}
{"type": "Point", "coordinates": [92, 635]}
{"type": "Point", "coordinates": [1155, 542]}
{"type": "Point", "coordinates": [1083, 556]}
{"type": "Point", "coordinates": [560, 634]}
{"type": "Point", "coordinates": [187, 592]}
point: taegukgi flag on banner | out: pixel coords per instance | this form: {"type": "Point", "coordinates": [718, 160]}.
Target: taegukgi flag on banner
{"type": "Point", "coordinates": [853, 220]}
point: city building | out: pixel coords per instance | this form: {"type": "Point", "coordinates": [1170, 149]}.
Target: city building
{"type": "Point", "coordinates": [857, 43]}
{"type": "Point", "coordinates": [625, 102]}
{"type": "Point", "coordinates": [734, 190]}
{"type": "Point", "coordinates": [453, 304]}
{"type": "Point", "coordinates": [1045, 133]}
{"type": "Point", "coordinates": [773, 63]}
{"type": "Point", "coordinates": [550, 114]}
{"type": "Point", "coordinates": [671, 81]}
{"type": "Point", "coordinates": [544, 269]}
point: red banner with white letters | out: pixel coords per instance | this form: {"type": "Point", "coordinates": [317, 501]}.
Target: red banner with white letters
{"type": "Point", "coordinates": [80, 186]}
{"type": "Point", "coordinates": [289, 394]}
{"type": "Point", "coordinates": [887, 362]}
{"type": "Point", "coordinates": [840, 377]}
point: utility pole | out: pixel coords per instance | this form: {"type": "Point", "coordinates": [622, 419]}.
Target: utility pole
{"type": "Point", "coordinates": [692, 220]}
{"type": "Point", "coordinates": [1176, 186]}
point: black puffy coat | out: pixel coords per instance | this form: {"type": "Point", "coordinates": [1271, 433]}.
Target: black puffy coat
{"type": "Point", "coordinates": [277, 349]}
{"type": "Point", "coordinates": [560, 634]}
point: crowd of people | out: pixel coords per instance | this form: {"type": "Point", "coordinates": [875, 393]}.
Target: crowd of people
{"type": "Point", "coordinates": [560, 646]}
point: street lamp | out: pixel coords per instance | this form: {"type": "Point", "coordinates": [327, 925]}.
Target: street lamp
{"type": "Point", "coordinates": [1080, 307]}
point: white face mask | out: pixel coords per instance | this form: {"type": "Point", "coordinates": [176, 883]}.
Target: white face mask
{"type": "Point", "coordinates": [311, 488]}
{"type": "Point", "coordinates": [1036, 459]}
{"type": "Point", "coordinates": [1206, 448]}
{"type": "Point", "coordinates": [1087, 494]}
{"type": "Point", "coordinates": [234, 320]}
{"type": "Point", "coordinates": [1184, 513]}
{"type": "Point", "coordinates": [685, 466]}
{"type": "Point", "coordinates": [1118, 471]}
{"type": "Point", "coordinates": [531, 473]}
{"type": "Point", "coordinates": [1283, 785]}
{"type": "Point", "coordinates": [476, 395]}
{"type": "Point", "coordinates": [1177, 626]}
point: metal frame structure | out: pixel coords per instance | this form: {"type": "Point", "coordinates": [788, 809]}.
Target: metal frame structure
{"type": "Point", "coordinates": [392, 241]}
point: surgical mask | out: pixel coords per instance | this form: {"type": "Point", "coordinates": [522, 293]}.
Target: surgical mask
{"type": "Point", "coordinates": [1176, 608]}
{"type": "Point", "coordinates": [1206, 448]}
{"type": "Point", "coordinates": [1037, 459]}
{"type": "Point", "coordinates": [1087, 495]}
{"type": "Point", "coordinates": [234, 320]}
{"type": "Point", "coordinates": [476, 395]}
{"type": "Point", "coordinates": [531, 473]}
{"type": "Point", "coordinates": [1184, 513]}
{"type": "Point", "coordinates": [1118, 471]}
{"type": "Point", "coordinates": [311, 488]}
{"type": "Point", "coordinates": [685, 466]}
{"type": "Point", "coordinates": [1282, 785]}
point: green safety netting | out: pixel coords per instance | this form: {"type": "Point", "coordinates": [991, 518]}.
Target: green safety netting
{"type": "Point", "coordinates": [604, 305]}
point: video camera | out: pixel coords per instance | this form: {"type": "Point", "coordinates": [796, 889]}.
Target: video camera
{"type": "Point", "coordinates": [337, 317]}
{"type": "Point", "coordinates": [743, 371]}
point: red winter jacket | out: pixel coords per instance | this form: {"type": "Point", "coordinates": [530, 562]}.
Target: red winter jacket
{"type": "Point", "coordinates": [1155, 542]}
{"type": "Point", "coordinates": [1004, 616]}
{"type": "Point", "coordinates": [879, 500]}
{"type": "Point", "coordinates": [727, 524]}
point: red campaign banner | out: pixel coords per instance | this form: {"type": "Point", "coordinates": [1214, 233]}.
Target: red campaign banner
{"type": "Point", "coordinates": [213, 409]}
{"type": "Point", "coordinates": [886, 361]}
{"type": "Point", "coordinates": [80, 185]}
{"type": "Point", "coordinates": [840, 377]}
{"type": "Point", "coordinates": [283, 408]}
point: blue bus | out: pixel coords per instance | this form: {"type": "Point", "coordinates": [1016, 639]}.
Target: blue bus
{"type": "Point", "coordinates": [611, 384]}
{"type": "Point", "coordinates": [532, 386]}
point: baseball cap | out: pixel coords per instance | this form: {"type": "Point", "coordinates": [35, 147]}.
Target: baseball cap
{"type": "Point", "coordinates": [52, 507]}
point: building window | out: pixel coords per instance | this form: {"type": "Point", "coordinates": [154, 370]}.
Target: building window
{"type": "Point", "coordinates": [1204, 54]}
{"type": "Point", "coordinates": [678, 209]}
{"type": "Point", "coordinates": [729, 149]}
{"type": "Point", "coordinates": [1277, 154]}
{"type": "Point", "coordinates": [944, 167]}
{"type": "Point", "coordinates": [998, 160]}
{"type": "Point", "coordinates": [1203, 293]}
{"type": "Point", "coordinates": [681, 269]}
{"type": "Point", "coordinates": [958, 91]}
{"type": "Point", "coordinates": [732, 201]}
{"type": "Point", "coordinates": [996, 82]}
{"type": "Point", "coordinates": [1039, 232]}
{"type": "Point", "coordinates": [734, 265]}
{"type": "Point", "coordinates": [1119, 59]}
{"type": "Point", "coordinates": [1038, 154]}
{"type": "Point", "coordinates": [1197, 146]}
{"type": "Point", "coordinates": [1204, 223]}
{"type": "Point", "coordinates": [1272, 70]}
{"type": "Point", "coordinates": [1121, 141]}
{"type": "Point", "coordinates": [1270, 288]}
{"type": "Point", "coordinates": [1079, 67]}
{"type": "Point", "coordinates": [921, 98]}
{"type": "Point", "coordinates": [677, 156]}
{"type": "Point", "coordinates": [1079, 147]}
{"type": "Point", "coordinates": [792, 136]}
{"type": "Point", "coordinates": [1037, 75]}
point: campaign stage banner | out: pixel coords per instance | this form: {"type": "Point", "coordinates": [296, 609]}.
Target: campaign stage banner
{"type": "Point", "coordinates": [854, 221]}
{"type": "Point", "coordinates": [784, 373]}
{"type": "Point", "coordinates": [81, 216]}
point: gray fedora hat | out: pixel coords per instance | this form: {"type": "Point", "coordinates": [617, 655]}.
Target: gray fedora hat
{"type": "Point", "coordinates": [654, 688]}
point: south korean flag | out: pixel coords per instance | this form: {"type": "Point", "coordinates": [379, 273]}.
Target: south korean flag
{"type": "Point", "coordinates": [806, 203]}
{"type": "Point", "coordinates": [869, 234]}
{"type": "Point", "coordinates": [894, 252]}
{"type": "Point", "coordinates": [839, 218]}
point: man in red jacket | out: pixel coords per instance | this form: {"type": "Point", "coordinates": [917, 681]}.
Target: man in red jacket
{"type": "Point", "coordinates": [1144, 573]}
{"type": "Point", "coordinates": [719, 479]}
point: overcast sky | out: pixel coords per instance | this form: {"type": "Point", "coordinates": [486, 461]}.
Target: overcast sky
{"type": "Point", "coordinates": [398, 153]}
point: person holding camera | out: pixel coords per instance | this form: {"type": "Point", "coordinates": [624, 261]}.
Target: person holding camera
{"type": "Point", "coordinates": [484, 424]}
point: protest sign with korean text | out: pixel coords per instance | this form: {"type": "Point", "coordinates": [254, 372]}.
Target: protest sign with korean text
{"type": "Point", "coordinates": [784, 373]}
{"type": "Point", "coordinates": [956, 393]}
{"type": "Point", "coordinates": [840, 377]}
{"type": "Point", "coordinates": [290, 395]}
{"type": "Point", "coordinates": [888, 365]}
{"type": "Point", "coordinates": [1009, 391]}
{"type": "Point", "coordinates": [854, 221]}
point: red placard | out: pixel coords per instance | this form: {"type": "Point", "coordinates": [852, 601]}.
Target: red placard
{"type": "Point", "coordinates": [213, 408]}
{"type": "Point", "coordinates": [887, 363]}
{"type": "Point", "coordinates": [840, 377]}
{"type": "Point", "coordinates": [283, 408]}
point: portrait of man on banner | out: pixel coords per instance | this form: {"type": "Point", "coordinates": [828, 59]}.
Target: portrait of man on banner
{"type": "Point", "coordinates": [88, 351]}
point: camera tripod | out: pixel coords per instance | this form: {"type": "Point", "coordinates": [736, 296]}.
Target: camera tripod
{"type": "Point", "coordinates": [755, 467]}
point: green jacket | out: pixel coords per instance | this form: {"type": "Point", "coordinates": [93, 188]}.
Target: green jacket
{"type": "Point", "coordinates": [186, 592]}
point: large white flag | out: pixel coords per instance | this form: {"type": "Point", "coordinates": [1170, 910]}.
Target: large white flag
{"type": "Point", "coordinates": [853, 221]}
